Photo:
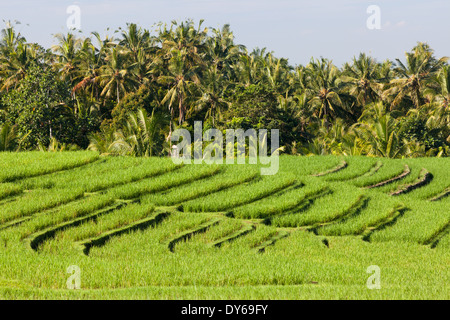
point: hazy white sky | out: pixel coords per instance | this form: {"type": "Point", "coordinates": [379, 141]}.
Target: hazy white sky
{"type": "Point", "coordinates": [294, 29]}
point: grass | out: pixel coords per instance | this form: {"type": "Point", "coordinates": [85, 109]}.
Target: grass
{"type": "Point", "coordinates": [323, 209]}
{"type": "Point", "coordinates": [230, 176]}
{"type": "Point", "coordinates": [378, 209]}
{"type": "Point", "coordinates": [36, 201]}
{"type": "Point", "coordinates": [122, 217]}
{"type": "Point", "coordinates": [102, 175]}
{"type": "Point", "coordinates": [357, 166]}
{"type": "Point", "coordinates": [8, 189]}
{"type": "Point", "coordinates": [243, 194]}
{"type": "Point", "coordinates": [279, 203]}
{"type": "Point", "coordinates": [389, 170]}
{"type": "Point", "coordinates": [164, 182]}
{"type": "Point", "coordinates": [15, 166]}
{"type": "Point", "coordinates": [420, 224]}
{"type": "Point", "coordinates": [64, 213]}
{"type": "Point", "coordinates": [444, 243]}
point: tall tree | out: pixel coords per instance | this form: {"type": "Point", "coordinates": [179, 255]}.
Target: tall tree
{"type": "Point", "coordinates": [185, 41]}
{"type": "Point", "coordinates": [363, 79]}
{"type": "Point", "coordinates": [212, 90]}
{"type": "Point", "coordinates": [414, 76]}
{"type": "Point", "coordinates": [323, 87]}
{"type": "Point", "coordinates": [15, 65]}
{"type": "Point", "coordinates": [180, 80]}
{"type": "Point", "coordinates": [68, 56]}
{"type": "Point", "coordinates": [118, 75]}
{"type": "Point", "coordinates": [41, 109]}
{"type": "Point", "coordinates": [222, 52]}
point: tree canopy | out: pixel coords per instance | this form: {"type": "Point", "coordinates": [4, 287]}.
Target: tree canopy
{"type": "Point", "coordinates": [126, 95]}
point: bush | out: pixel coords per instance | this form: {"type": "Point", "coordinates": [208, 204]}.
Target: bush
{"type": "Point", "coordinates": [40, 108]}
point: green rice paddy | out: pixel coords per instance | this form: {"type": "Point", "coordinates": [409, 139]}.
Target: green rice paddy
{"type": "Point", "coordinates": [149, 229]}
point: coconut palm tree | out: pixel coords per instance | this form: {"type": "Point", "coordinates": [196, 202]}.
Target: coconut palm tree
{"type": "Point", "coordinates": [10, 39]}
{"type": "Point", "coordinates": [118, 75]}
{"type": "Point", "coordinates": [362, 79]}
{"type": "Point", "coordinates": [323, 87]}
{"type": "Point", "coordinates": [278, 73]}
{"type": "Point", "coordinates": [180, 80]}
{"type": "Point", "coordinates": [104, 47]}
{"type": "Point", "coordinates": [222, 52]}
{"type": "Point", "coordinates": [186, 41]}
{"type": "Point", "coordinates": [68, 56]}
{"type": "Point", "coordinates": [15, 57]}
{"type": "Point", "coordinates": [249, 69]}
{"type": "Point", "coordinates": [212, 89]}
{"type": "Point", "coordinates": [135, 39]}
{"type": "Point", "coordinates": [14, 65]}
{"type": "Point", "coordinates": [414, 76]}
{"type": "Point", "coordinates": [91, 59]}
{"type": "Point", "coordinates": [140, 44]}
{"type": "Point", "coordinates": [440, 91]}
{"type": "Point", "coordinates": [89, 71]}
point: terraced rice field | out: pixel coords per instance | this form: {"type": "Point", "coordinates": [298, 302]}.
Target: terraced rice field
{"type": "Point", "coordinates": [147, 228]}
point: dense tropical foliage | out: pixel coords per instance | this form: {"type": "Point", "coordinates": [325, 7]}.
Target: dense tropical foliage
{"type": "Point", "coordinates": [126, 95]}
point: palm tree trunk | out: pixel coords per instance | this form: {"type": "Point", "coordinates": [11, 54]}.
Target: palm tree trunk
{"type": "Point", "coordinates": [170, 131]}
{"type": "Point", "coordinates": [213, 113]}
{"type": "Point", "coordinates": [181, 109]}
{"type": "Point", "coordinates": [118, 94]}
